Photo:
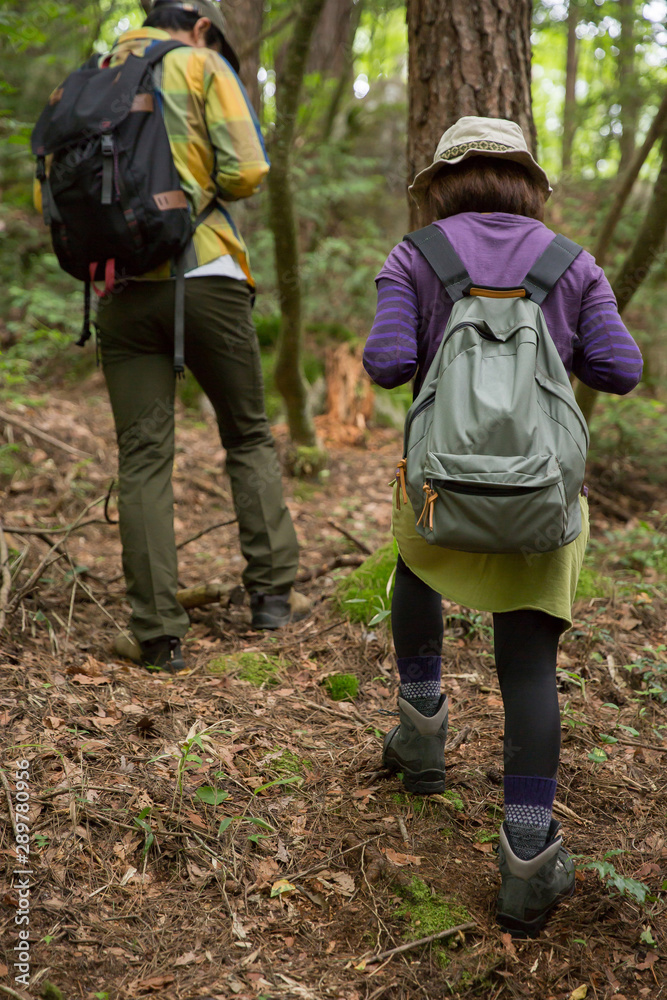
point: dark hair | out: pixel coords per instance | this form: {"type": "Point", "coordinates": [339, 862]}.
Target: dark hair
{"type": "Point", "coordinates": [485, 184]}
{"type": "Point", "coordinates": [176, 19]}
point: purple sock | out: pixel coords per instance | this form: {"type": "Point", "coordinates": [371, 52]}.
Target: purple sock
{"type": "Point", "coordinates": [420, 682]}
{"type": "Point", "coordinates": [528, 804]}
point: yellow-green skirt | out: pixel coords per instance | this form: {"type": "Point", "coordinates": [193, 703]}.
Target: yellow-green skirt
{"type": "Point", "coordinates": [544, 581]}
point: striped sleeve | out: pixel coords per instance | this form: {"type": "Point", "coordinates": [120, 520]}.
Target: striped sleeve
{"type": "Point", "coordinates": [606, 357]}
{"type": "Point", "coordinates": [390, 354]}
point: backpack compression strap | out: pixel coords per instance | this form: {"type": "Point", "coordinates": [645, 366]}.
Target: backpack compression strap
{"type": "Point", "coordinates": [549, 267]}
{"type": "Point", "coordinates": [435, 247]}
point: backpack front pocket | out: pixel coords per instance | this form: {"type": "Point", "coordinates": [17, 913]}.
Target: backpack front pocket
{"type": "Point", "coordinates": [494, 504]}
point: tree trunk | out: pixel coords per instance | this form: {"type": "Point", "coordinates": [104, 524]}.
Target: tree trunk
{"type": "Point", "coordinates": [345, 79]}
{"type": "Point", "coordinates": [627, 82]}
{"type": "Point", "coordinates": [245, 28]}
{"type": "Point", "coordinates": [570, 106]}
{"type": "Point", "coordinates": [290, 379]}
{"type": "Point", "coordinates": [638, 262]}
{"type": "Point", "coordinates": [330, 39]}
{"type": "Point", "coordinates": [627, 180]}
{"type": "Point", "coordinates": [466, 57]}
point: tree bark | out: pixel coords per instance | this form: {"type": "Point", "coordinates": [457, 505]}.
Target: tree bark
{"type": "Point", "coordinates": [330, 39]}
{"type": "Point", "coordinates": [627, 180]}
{"type": "Point", "coordinates": [638, 262]}
{"type": "Point", "coordinates": [346, 73]}
{"type": "Point", "coordinates": [627, 82]}
{"type": "Point", "coordinates": [290, 379]}
{"type": "Point", "coordinates": [570, 106]}
{"type": "Point", "coordinates": [245, 28]}
{"type": "Point", "coordinates": [466, 57]}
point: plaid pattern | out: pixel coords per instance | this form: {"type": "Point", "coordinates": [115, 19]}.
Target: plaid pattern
{"type": "Point", "coordinates": [214, 136]}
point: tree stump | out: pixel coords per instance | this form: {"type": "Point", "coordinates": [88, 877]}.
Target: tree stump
{"type": "Point", "coordinates": [350, 397]}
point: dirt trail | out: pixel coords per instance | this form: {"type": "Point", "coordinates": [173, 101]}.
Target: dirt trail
{"type": "Point", "coordinates": [279, 853]}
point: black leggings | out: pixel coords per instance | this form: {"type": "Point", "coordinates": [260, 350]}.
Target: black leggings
{"type": "Point", "coordinates": [525, 645]}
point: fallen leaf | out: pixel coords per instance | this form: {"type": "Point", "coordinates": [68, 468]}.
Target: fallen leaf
{"type": "Point", "coordinates": [186, 959]}
{"type": "Point", "coordinates": [627, 623]}
{"type": "Point", "coordinates": [281, 886]}
{"type": "Point", "coordinates": [651, 959]}
{"type": "Point", "coordinates": [400, 859]}
{"type": "Point", "coordinates": [130, 873]}
{"type": "Point", "coordinates": [580, 993]}
{"type": "Point", "coordinates": [3, 970]}
{"type": "Point", "coordinates": [52, 721]}
{"type": "Point", "coordinates": [507, 944]}
{"type": "Point", "coordinates": [85, 679]}
{"type": "Point", "coordinates": [153, 983]}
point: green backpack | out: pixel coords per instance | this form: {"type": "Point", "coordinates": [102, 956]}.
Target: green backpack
{"type": "Point", "coordinates": [495, 443]}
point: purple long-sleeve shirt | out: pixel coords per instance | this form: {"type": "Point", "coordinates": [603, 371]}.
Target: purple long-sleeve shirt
{"type": "Point", "coordinates": [498, 249]}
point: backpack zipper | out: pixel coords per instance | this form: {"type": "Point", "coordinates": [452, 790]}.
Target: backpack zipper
{"type": "Point", "coordinates": [471, 489]}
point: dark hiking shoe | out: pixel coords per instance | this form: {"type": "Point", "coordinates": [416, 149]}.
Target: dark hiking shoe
{"type": "Point", "coordinates": [417, 748]}
{"type": "Point", "coordinates": [531, 889]}
{"type": "Point", "coordinates": [163, 654]}
{"type": "Point", "coordinates": [271, 611]}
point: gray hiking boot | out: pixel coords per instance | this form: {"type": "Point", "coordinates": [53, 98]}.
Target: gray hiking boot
{"type": "Point", "coordinates": [417, 748]}
{"type": "Point", "coordinates": [531, 889]}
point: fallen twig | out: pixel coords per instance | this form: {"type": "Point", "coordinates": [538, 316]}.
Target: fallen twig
{"type": "Point", "coordinates": [8, 790]}
{"type": "Point", "coordinates": [6, 584]}
{"type": "Point", "coordinates": [416, 944]}
{"type": "Point", "coordinates": [15, 529]}
{"type": "Point", "coordinates": [560, 807]}
{"type": "Point", "coordinates": [9, 992]}
{"type": "Point", "coordinates": [348, 534]}
{"type": "Point", "coordinates": [205, 531]}
{"type": "Point", "coordinates": [325, 568]}
{"type": "Point", "coordinates": [29, 429]}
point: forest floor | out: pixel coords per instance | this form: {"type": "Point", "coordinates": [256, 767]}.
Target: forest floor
{"type": "Point", "coordinates": [272, 856]}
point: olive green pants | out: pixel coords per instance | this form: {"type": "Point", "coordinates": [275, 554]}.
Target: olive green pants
{"type": "Point", "coordinates": [136, 336]}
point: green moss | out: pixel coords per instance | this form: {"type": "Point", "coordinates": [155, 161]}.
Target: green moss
{"type": "Point", "coordinates": [342, 687]}
{"type": "Point", "coordinates": [428, 913]}
{"type": "Point", "coordinates": [290, 763]}
{"type": "Point", "coordinates": [361, 594]}
{"type": "Point", "coordinates": [257, 669]}
{"type": "Point", "coordinates": [454, 798]}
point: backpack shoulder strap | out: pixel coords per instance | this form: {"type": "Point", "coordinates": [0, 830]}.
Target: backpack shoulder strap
{"type": "Point", "coordinates": [549, 267]}
{"type": "Point", "coordinates": [437, 250]}
{"type": "Point", "coordinates": [159, 51]}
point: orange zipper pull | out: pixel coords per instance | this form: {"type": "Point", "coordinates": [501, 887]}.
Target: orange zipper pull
{"type": "Point", "coordinates": [427, 510]}
{"type": "Point", "coordinates": [399, 479]}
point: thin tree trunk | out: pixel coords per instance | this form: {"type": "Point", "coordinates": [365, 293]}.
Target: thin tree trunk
{"type": "Point", "coordinates": [245, 30]}
{"type": "Point", "coordinates": [627, 81]}
{"type": "Point", "coordinates": [638, 262]}
{"type": "Point", "coordinates": [328, 44]}
{"type": "Point", "coordinates": [345, 79]}
{"type": "Point", "coordinates": [466, 57]}
{"type": "Point", "coordinates": [570, 106]}
{"type": "Point", "coordinates": [290, 380]}
{"type": "Point", "coordinates": [627, 180]}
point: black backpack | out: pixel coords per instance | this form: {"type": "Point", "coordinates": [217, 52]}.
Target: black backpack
{"type": "Point", "coordinates": [113, 197]}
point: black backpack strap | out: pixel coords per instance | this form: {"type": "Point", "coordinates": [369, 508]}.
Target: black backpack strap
{"type": "Point", "coordinates": [436, 248]}
{"type": "Point", "coordinates": [549, 267]}
{"type": "Point", "coordinates": [157, 52]}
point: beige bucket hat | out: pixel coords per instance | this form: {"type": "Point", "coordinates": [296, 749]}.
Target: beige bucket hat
{"type": "Point", "coordinates": [472, 136]}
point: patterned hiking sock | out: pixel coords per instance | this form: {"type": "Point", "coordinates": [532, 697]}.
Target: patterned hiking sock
{"type": "Point", "coordinates": [528, 804]}
{"type": "Point", "coordinates": [420, 682]}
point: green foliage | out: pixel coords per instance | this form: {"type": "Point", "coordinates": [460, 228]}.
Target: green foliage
{"type": "Point", "coordinates": [51, 992]}
{"type": "Point", "coordinates": [613, 881]}
{"type": "Point", "coordinates": [359, 593]}
{"type": "Point", "coordinates": [628, 427]}
{"type": "Point", "coordinates": [342, 687]}
{"type": "Point", "coordinates": [648, 676]}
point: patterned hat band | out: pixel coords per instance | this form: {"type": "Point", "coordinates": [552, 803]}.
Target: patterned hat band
{"type": "Point", "coordinates": [482, 144]}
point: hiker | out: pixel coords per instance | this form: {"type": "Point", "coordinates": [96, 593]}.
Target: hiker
{"type": "Point", "coordinates": [219, 155]}
{"type": "Point", "coordinates": [486, 193]}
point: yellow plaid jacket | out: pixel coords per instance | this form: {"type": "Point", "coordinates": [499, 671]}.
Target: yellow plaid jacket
{"type": "Point", "coordinates": [214, 136]}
